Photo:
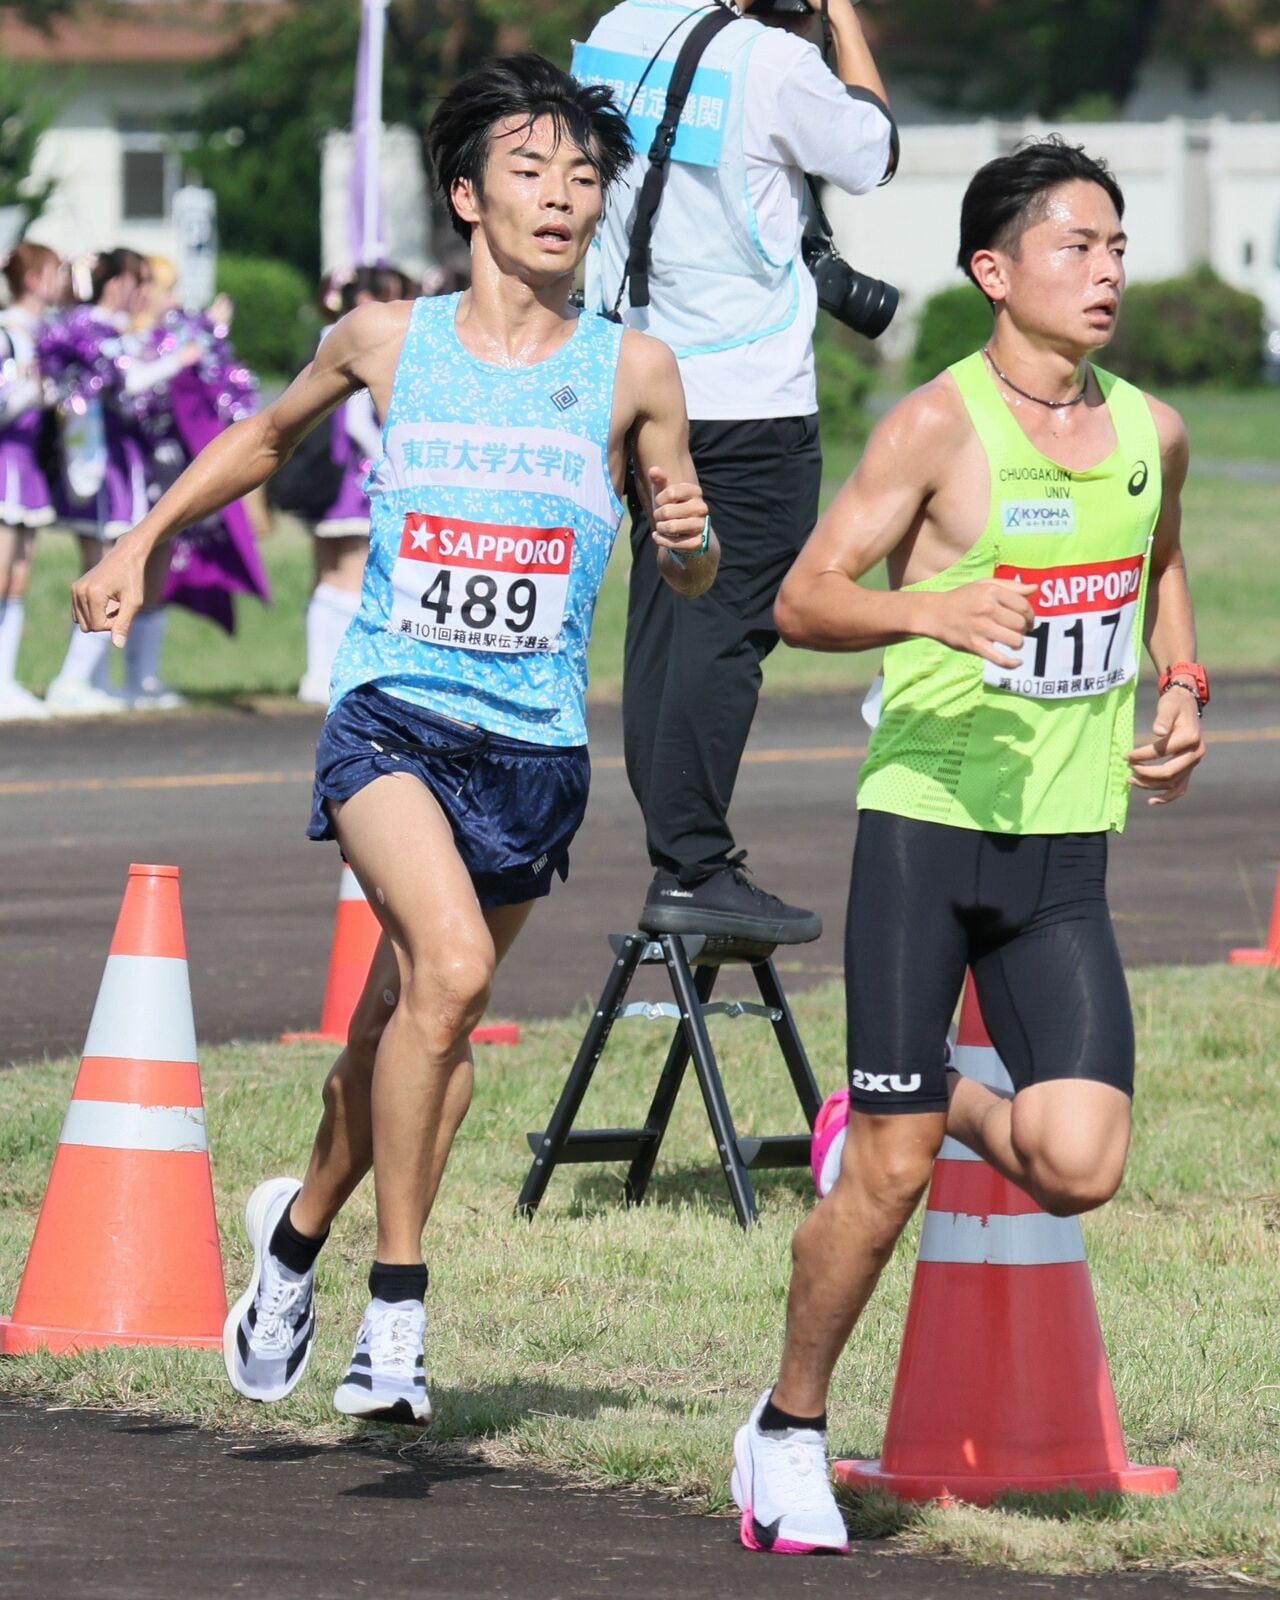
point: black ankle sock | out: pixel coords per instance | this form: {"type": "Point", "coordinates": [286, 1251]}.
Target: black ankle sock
{"type": "Point", "coordinates": [295, 1250]}
{"type": "Point", "coordinates": [774, 1421]}
{"type": "Point", "coordinates": [397, 1282]}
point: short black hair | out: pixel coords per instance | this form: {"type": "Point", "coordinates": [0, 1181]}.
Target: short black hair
{"type": "Point", "coordinates": [526, 86]}
{"type": "Point", "coordinates": [1010, 194]}
{"type": "Point", "coordinates": [117, 263]}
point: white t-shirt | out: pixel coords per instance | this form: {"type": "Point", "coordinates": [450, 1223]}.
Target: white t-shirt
{"type": "Point", "coordinates": [798, 118]}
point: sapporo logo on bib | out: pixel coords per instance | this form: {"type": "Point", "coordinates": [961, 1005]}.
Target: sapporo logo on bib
{"type": "Point", "coordinates": [1084, 639]}
{"type": "Point", "coordinates": [480, 585]}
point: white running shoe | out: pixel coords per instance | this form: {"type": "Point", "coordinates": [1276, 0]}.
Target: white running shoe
{"type": "Point", "coordinates": [314, 689]}
{"type": "Point", "coordinates": [267, 1337]}
{"type": "Point", "coordinates": [20, 705]}
{"type": "Point", "coordinates": [157, 696]}
{"type": "Point", "coordinates": [782, 1485]}
{"type": "Point", "coordinates": [73, 697]}
{"type": "Point", "coordinates": [386, 1381]}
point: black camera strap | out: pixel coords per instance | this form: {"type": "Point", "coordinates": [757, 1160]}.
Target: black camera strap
{"type": "Point", "coordinates": [636, 271]}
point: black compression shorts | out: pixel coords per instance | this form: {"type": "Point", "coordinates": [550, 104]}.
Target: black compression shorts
{"type": "Point", "coordinates": [1027, 912]}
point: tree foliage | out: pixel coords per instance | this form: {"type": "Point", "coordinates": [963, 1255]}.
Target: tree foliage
{"type": "Point", "coordinates": [1056, 57]}
{"type": "Point", "coordinates": [40, 14]}
{"type": "Point", "coordinates": [25, 113]}
{"type": "Point", "coordinates": [273, 97]}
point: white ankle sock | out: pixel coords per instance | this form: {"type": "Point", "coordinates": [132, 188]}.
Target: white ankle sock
{"type": "Point", "coordinates": [142, 650]}
{"type": "Point", "coordinates": [86, 653]}
{"type": "Point", "coordinates": [12, 615]}
{"type": "Point", "coordinates": [329, 614]}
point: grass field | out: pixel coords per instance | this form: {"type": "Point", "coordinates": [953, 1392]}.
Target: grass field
{"type": "Point", "coordinates": [623, 1347]}
{"type": "Point", "coordinates": [1229, 535]}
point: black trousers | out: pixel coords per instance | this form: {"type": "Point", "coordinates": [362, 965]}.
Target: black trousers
{"type": "Point", "coordinates": [693, 667]}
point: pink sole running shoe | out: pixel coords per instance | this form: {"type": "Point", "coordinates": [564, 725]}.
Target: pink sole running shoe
{"type": "Point", "coordinates": [782, 1485]}
{"type": "Point", "coordinates": [828, 1140]}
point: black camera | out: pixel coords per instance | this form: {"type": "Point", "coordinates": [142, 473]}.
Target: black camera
{"type": "Point", "coordinates": [862, 303]}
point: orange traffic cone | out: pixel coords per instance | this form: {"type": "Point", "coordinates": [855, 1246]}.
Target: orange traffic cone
{"type": "Point", "coordinates": [126, 1249]}
{"type": "Point", "coordinates": [356, 931]}
{"type": "Point", "coordinates": [1270, 957]}
{"type": "Point", "coordinates": [1003, 1380]}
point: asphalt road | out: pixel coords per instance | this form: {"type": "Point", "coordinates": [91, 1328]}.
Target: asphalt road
{"type": "Point", "coordinates": [112, 1507]}
{"type": "Point", "coordinates": [132, 1508]}
{"type": "Point", "coordinates": [225, 797]}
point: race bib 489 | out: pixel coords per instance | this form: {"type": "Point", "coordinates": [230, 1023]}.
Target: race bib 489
{"type": "Point", "coordinates": [1084, 639]}
{"type": "Point", "coordinates": [480, 585]}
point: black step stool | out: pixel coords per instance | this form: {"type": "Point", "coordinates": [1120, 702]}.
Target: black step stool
{"type": "Point", "coordinates": [681, 954]}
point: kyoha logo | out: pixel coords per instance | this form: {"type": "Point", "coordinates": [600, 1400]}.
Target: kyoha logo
{"type": "Point", "coordinates": [563, 398]}
{"type": "Point", "coordinates": [1138, 482]}
{"type": "Point", "coordinates": [1038, 516]}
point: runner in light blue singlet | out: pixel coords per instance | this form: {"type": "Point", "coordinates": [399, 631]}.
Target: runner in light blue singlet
{"type": "Point", "coordinates": [536, 467]}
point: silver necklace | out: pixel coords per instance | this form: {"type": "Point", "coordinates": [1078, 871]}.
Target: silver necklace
{"type": "Point", "coordinates": [1054, 405]}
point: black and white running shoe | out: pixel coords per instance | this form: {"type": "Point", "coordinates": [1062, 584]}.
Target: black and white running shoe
{"type": "Point", "coordinates": [267, 1337]}
{"type": "Point", "coordinates": [386, 1381]}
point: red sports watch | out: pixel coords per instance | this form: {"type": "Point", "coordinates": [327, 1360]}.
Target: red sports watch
{"type": "Point", "coordinates": [1186, 675]}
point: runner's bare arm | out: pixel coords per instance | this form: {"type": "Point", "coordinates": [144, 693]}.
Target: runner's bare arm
{"type": "Point", "coordinates": [1164, 764]}
{"type": "Point", "coordinates": [665, 476]}
{"type": "Point", "coordinates": [822, 604]}
{"type": "Point", "coordinates": [236, 461]}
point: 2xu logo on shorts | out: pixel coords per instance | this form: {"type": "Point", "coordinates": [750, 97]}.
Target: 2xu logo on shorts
{"type": "Point", "coordinates": [884, 1082]}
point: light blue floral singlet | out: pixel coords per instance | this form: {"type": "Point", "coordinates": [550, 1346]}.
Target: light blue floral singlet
{"type": "Point", "coordinates": [492, 518]}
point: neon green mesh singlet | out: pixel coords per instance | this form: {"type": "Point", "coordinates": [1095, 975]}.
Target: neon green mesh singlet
{"type": "Point", "coordinates": [1039, 749]}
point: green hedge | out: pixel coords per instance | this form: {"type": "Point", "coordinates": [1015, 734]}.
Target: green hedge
{"type": "Point", "coordinates": [1192, 330]}
{"type": "Point", "coordinates": [1181, 332]}
{"type": "Point", "coordinates": [953, 324]}
{"type": "Point", "coordinates": [276, 321]}
{"type": "Point", "coordinates": [845, 367]}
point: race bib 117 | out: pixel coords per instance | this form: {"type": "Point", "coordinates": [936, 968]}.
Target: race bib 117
{"type": "Point", "coordinates": [1084, 639]}
{"type": "Point", "coordinates": [480, 585]}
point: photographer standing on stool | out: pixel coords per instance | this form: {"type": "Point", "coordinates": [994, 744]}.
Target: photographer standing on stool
{"type": "Point", "coordinates": [721, 280]}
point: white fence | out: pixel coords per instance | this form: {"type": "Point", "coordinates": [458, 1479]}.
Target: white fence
{"type": "Point", "coordinates": [1194, 192]}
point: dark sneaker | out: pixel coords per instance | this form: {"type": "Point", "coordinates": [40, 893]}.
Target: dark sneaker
{"type": "Point", "coordinates": [727, 903]}
{"type": "Point", "coordinates": [267, 1337]}
{"type": "Point", "coordinates": [386, 1381]}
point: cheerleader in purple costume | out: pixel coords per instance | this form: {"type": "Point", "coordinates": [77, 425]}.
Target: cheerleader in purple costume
{"type": "Point", "coordinates": [165, 338]}
{"type": "Point", "coordinates": [35, 277]}
{"type": "Point", "coordinates": [93, 359]}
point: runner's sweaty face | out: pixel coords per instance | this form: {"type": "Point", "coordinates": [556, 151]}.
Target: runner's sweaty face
{"type": "Point", "coordinates": [1064, 280]}
{"type": "Point", "coordinates": [540, 203]}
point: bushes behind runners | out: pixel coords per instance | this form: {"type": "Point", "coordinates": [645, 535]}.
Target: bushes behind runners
{"type": "Point", "coordinates": [1180, 332]}
{"type": "Point", "coordinates": [276, 321]}
{"type": "Point", "coordinates": [1191, 330]}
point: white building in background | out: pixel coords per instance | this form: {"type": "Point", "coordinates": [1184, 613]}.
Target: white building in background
{"type": "Point", "coordinates": [122, 80]}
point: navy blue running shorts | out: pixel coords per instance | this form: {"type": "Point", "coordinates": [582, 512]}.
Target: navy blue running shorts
{"type": "Point", "coordinates": [514, 807]}
{"type": "Point", "coordinates": [1028, 913]}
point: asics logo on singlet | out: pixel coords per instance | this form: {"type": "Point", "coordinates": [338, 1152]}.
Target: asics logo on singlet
{"type": "Point", "coordinates": [885, 1082]}
{"type": "Point", "coordinates": [1138, 482]}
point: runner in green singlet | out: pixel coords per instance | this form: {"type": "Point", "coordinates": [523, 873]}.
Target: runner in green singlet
{"type": "Point", "coordinates": [1027, 506]}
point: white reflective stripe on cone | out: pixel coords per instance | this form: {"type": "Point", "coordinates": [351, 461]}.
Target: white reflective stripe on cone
{"type": "Point", "coordinates": [143, 1011]}
{"type": "Point", "coordinates": [982, 1063]}
{"type": "Point", "coordinates": [1033, 1240]}
{"type": "Point", "coordinates": [350, 888]}
{"type": "Point", "coordinates": [114, 1125]}
{"type": "Point", "coordinates": [953, 1150]}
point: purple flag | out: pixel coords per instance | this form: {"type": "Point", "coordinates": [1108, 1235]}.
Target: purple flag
{"type": "Point", "coordinates": [218, 558]}
{"type": "Point", "coordinates": [364, 205]}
